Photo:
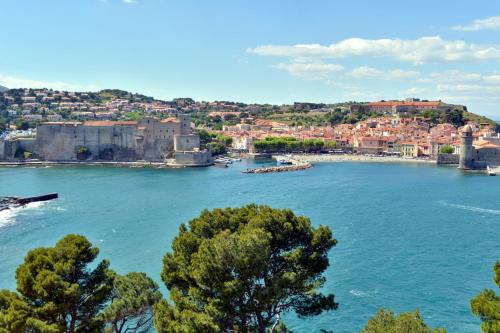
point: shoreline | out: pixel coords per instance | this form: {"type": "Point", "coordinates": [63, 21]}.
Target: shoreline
{"type": "Point", "coordinates": [300, 158]}
{"type": "Point", "coordinates": [136, 164]}
{"type": "Point", "coordinates": [357, 158]}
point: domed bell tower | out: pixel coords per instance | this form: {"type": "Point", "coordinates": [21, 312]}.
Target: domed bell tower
{"type": "Point", "coordinates": [466, 149]}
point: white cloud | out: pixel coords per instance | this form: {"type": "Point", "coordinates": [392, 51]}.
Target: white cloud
{"type": "Point", "coordinates": [324, 71]}
{"type": "Point", "coordinates": [490, 23]}
{"type": "Point", "coordinates": [415, 91]}
{"type": "Point", "coordinates": [395, 74]}
{"type": "Point", "coordinates": [461, 77]}
{"type": "Point", "coordinates": [310, 71]}
{"type": "Point", "coordinates": [16, 82]}
{"type": "Point", "coordinates": [130, 1]}
{"type": "Point", "coordinates": [417, 51]}
{"type": "Point", "coordinates": [469, 88]}
{"type": "Point", "coordinates": [459, 87]}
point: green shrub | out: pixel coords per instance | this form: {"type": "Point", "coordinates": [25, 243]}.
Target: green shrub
{"type": "Point", "coordinates": [82, 153]}
{"type": "Point", "coordinates": [446, 149]}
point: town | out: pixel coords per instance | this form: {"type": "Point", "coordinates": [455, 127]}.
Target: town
{"type": "Point", "coordinates": [410, 128]}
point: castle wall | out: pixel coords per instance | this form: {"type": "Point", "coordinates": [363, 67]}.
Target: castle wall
{"type": "Point", "coordinates": [489, 156]}
{"type": "Point", "coordinates": [26, 144]}
{"type": "Point", "coordinates": [149, 139]}
{"type": "Point", "coordinates": [8, 149]}
{"type": "Point", "coordinates": [3, 146]}
{"type": "Point", "coordinates": [186, 142]}
{"type": "Point", "coordinates": [448, 158]}
{"type": "Point", "coordinates": [57, 141]}
{"type": "Point", "coordinates": [158, 138]}
{"type": "Point", "coordinates": [193, 158]}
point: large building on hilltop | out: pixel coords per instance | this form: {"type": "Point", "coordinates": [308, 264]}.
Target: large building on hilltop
{"type": "Point", "coordinates": [397, 107]}
{"type": "Point", "coordinates": [150, 139]}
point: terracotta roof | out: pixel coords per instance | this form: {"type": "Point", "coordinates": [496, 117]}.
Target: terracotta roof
{"type": "Point", "coordinates": [484, 144]}
{"type": "Point", "coordinates": [110, 123]}
{"type": "Point", "coordinates": [69, 123]}
{"type": "Point", "coordinates": [170, 120]}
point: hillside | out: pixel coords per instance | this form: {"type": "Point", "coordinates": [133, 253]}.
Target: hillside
{"type": "Point", "coordinates": [456, 115]}
{"type": "Point", "coordinates": [297, 114]}
{"type": "Point", "coordinates": [110, 94]}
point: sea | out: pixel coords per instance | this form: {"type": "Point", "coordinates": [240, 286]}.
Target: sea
{"type": "Point", "coordinates": [410, 236]}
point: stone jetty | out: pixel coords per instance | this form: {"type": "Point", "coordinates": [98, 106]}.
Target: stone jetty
{"type": "Point", "coordinates": [284, 168]}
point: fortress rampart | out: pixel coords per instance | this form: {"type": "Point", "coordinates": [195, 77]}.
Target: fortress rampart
{"type": "Point", "coordinates": [149, 139]}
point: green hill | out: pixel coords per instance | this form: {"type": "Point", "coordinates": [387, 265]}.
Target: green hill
{"type": "Point", "coordinates": [110, 94]}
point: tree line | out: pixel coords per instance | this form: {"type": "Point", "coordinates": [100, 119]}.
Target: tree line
{"type": "Point", "coordinates": [229, 270]}
{"type": "Point", "coordinates": [290, 144]}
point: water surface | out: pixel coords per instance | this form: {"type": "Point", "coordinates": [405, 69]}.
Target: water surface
{"type": "Point", "coordinates": [410, 236]}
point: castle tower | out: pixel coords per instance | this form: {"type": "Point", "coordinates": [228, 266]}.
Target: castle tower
{"type": "Point", "coordinates": [466, 149]}
{"type": "Point", "coordinates": [185, 121]}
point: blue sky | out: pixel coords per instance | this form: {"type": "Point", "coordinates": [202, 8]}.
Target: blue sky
{"type": "Point", "coordinates": [258, 51]}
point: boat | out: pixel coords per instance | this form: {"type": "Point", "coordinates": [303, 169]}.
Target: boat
{"type": "Point", "coordinates": [490, 171]}
{"type": "Point", "coordinates": [223, 160]}
{"type": "Point", "coordinates": [220, 165]}
{"type": "Point", "coordinates": [13, 202]}
{"type": "Point", "coordinates": [283, 161]}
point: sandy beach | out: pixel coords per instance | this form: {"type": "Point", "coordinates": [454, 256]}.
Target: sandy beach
{"type": "Point", "coordinates": [323, 158]}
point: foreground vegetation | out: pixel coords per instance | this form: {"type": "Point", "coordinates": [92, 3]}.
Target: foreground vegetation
{"type": "Point", "coordinates": [230, 270]}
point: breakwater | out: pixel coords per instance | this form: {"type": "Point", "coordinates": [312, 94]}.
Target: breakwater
{"type": "Point", "coordinates": [284, 168]}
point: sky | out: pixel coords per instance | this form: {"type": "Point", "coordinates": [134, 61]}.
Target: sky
{"type": "Point", "coordinates": [262, 51]}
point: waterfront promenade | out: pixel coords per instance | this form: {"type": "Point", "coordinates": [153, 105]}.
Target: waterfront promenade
{"type": "Point", "coordinates": [322, 158]}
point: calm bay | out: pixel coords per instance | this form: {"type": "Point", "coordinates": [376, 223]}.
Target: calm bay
{"type": "Point", "coordinates": [410, 235]}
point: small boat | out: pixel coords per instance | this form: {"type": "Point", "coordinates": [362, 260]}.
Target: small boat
{"type": "Point", "coordinates": [283, 161]}
{"type": "Point", "coordinates": [490, 171]}
{"type": "Point", "coordinates": [223, 160]}
{"type": "Point", "coordinates": [220, 165]}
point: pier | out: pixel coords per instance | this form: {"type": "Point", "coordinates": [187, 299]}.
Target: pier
{"type": "Point", "coordinates": [291, 165]}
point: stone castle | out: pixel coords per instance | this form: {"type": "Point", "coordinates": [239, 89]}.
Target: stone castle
{"type": "Point", "coordinates": [170, 140]}
{"type": "Point", "coordinates": [477, 155]}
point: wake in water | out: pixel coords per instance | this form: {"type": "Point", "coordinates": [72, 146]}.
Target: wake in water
{"type": "Point", "coordinates": [359, 293]}
{"type": "Point", "coordinates": [8, 216]}
{"type": "Point", "coordinates": [471, 208]}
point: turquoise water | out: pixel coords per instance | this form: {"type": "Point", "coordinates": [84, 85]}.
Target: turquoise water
{"type": "Point", "coordinates": [410, 236]}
